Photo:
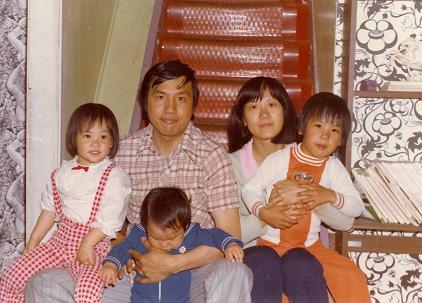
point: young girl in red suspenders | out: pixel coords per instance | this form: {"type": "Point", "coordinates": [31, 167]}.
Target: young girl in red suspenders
{"type": "Point", "coordinates": [324, 123]}
{"type": "Point", "coordinates": [88, 197]}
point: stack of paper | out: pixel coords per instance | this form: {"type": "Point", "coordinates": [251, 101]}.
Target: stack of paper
{"type": "Point", "coordinates": [394, 190]}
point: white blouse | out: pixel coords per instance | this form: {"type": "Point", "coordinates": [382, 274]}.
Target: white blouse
{"type": "Point", "coordinates": [77, 190]}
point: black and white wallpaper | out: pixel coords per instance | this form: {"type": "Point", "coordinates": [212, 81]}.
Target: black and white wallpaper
{"type": "Point", "coordinates": [388, 48]}
{"type": "Point", "coordinates": [389, 43]}
{"type": "Point", "coordinates": [386, 129]}
{"type": "Point", "coordinates": [12, 129]}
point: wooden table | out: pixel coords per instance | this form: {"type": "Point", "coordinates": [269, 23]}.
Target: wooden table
{"type": "Point", "coordinates": [346, 242]}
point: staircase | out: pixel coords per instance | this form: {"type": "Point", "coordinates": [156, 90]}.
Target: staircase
{"type": "Point", "coordinates": [230, 41]}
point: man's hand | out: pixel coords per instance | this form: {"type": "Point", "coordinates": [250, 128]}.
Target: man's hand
{"type": "Point", "coordinates": [155, 265]}
{"type": "Point", "coordinates": [130, 264]}
{"type": "Point", "coordinates": [86, 254]}
{"type": "Point", "coordinates": [315, 195]}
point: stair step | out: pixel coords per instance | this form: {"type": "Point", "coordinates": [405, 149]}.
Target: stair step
{"type": "Point", "coordinates": [240, 59]}
{"type": "Point", "coordinates": [225, 21]}
{"type": "Point", "coordinates": [230, 41]}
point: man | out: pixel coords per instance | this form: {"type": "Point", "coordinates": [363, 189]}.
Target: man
{"type": "Point", "coordinates": [170, 151]}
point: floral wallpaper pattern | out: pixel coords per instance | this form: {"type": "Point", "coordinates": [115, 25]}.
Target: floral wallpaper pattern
{"type": "Point", "coordinates": [392, 278]}
{"type": "Point", "coordinates": [340, 53]}
{"type": "Point", "coordinates": [389, 42]}
{"type": "Point", "coordinates": [384, 128]}
{"type": "Point", "coordinates": [12, 129]}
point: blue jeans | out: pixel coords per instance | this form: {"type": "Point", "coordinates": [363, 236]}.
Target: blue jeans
{"type": "Point", "coordinates": [297, 274]}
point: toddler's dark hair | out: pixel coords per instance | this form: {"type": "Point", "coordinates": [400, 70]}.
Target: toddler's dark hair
{"type": "Point", "coordinates": [168, 207]}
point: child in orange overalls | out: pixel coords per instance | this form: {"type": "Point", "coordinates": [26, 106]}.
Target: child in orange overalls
{"type": "Point", "coordinates": [89, 197]}
{"type": "Point", "coordinates": [324, 123]}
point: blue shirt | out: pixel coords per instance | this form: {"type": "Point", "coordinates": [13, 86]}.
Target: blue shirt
{"type": "Point", "coordinates": [176, 287]}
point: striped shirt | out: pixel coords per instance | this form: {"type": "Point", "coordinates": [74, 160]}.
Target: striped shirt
{"type": "Point", "coordinates": [198, 165]}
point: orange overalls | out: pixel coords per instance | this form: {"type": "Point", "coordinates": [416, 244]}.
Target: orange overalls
{"type": "Point", "coordinates": [345, 281]}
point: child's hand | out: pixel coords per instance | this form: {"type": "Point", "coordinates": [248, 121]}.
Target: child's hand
{"type": "Point", "coordinates": [29, 247]}
{"type": "Point", "coordinates": [234, 253]}
{"type": "Point", "coordinates": [86, 254]}
{"type": "Point", "coordinates": [281, 217]}
{"type": "Point", "coordinates": [315, 195]}
{"type": "Point", "coordinates": [108, 274]}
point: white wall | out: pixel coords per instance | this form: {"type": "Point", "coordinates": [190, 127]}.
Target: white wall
{"type": "Point", "coordinates": [117, 84]}
{"type": "Point", "coordinates": [43, 100]}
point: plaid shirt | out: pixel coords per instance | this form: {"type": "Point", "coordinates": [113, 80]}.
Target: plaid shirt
{"type": "Point", "coordinates": [198, 165]}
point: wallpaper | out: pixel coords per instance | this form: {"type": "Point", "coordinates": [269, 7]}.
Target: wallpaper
{"type": "Point", "coordinates": [388, 48]}
{"type": "Point", "coordinates": [12, 129]}
{"type": "Point", "coordinates": [389, 42]}
{"type": "Point", "coordinates": [386, 129]}
{"type": "Point", "coordinates": [392, 278]}
{"type": "Point", "coordinates": [340, 53]}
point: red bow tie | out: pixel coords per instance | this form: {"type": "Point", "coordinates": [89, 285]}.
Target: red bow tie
{"type": "Point", "coordinates": [85, 168]}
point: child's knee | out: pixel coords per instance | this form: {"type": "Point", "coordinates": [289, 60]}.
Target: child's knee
{"type": "Point", "coordinates": [13, 274]}
{"type": "Point", "coordinates": [89, 291]}
{"type": "Point", "coordinates": [261, 257]}
{"type": "Point", "coordinates": [300, 260]}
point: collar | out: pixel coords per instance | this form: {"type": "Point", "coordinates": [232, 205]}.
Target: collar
{"type": "Point", "coordinates": [191, 226]}
{"type": "Point", "coordinates": [74, 162]}
{"type": "Point", "coordinates": [145, 138]}
{"type": "Point", "coordinates": [301, 157]}
{"type": "Point", "coordinates": [191, 141]}
{"type": "Point", "coordinates": [247, 160]}
{"type": "Point", "coordinates": [191, 138]}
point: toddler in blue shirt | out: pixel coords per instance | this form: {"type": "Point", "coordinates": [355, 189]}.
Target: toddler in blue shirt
{"type": "Point", "coordinates": [166, 224]}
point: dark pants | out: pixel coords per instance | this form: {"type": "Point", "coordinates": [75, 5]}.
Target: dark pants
{"type": "Point", "coordinates": [297, 274]}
